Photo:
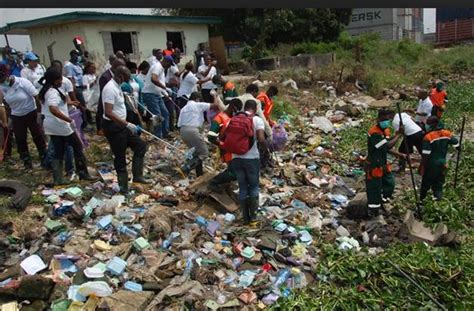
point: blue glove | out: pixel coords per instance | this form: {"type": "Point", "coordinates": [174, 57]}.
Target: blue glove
{"type": "Point", "coordinates": [139, 129]}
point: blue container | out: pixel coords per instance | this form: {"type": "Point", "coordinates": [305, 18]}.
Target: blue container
{"type": "Point", "coordinates": [132, 286]}
{"type": "Point", "coordinates": [116, 266]}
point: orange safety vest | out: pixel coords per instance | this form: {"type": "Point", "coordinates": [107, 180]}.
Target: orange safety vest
{"type": "Point", "coordinates": [223, 120]}
{"type": "Point", "coordinates": [267, 104]}
{"type": "Point", "coordinates": [378, 171]}
{"type": "Point", "coordinates": [437, 98]}
{"type": "Point", "coordinates": [167, 52]}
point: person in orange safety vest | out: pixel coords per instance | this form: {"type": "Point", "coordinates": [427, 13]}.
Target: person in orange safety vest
{"type": "Point", "coordinates": [266, 98]}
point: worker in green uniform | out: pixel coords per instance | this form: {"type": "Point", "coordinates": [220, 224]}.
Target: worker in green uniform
{"type": "Point", "coordinates": [434, 149]}
{"type": "Point", "coordinates": [379, 179]}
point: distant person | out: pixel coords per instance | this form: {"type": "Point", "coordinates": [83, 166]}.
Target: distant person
{"type": "Point", "coordinates": [206, 72]}
{"type": "Point", "coordinates": [246, 166]}
{"type": "Point", "coordinates": [229, 90]}
{"type": "Point", "coordinates": [13, 64]}
{"type": "Point", "coordinates": [190, 122]}
{"type": "Point", "coordinates": [433, 167]}
{"type": "Point", "coordinates": [379, 179]}
{"type": "Point", "coordinates": [121, 54]}
{"type": "Point", "coordinates": [103, 80]}
{"type": "Point", "coordinates": [200, 54]}
{"type": "Point", "coordinates": [187, 85]}
{"type": "Point", "coordinates": [142, 71]}
{"type": "Point", "coordinates": [75, 72]}
{"type": "Point", "coordinates": [218, 126]}
{"type": "Point", "coordinates": [107, 66]}
{"type": "Point", "coordinates": [60, 127]}
{"type": "Point", "coordinates": [133, 87]}
{"type": "Point", "coordinates": [169, 51]}
{"type": "Point", "coordinates": [120, 133]}
{"type": "Point", "coordinates": [439, 98]}
{"type": "Point", "coordinates": [266, 99]}
{"type": "Point", "coordinates": [413, 136]}
{"type": "Point", "coordinates": [425, 107]}
{"type": "Point", "coordinates": [172, 82]}
{"type": "Point", "coordinates": [33, 71]}
{"type": "Point", "coordinates": [21, 97]}
{"type": "Point", "coordinates": [153, 92]}
{"type": "Point", "coordinates": [156, 55]}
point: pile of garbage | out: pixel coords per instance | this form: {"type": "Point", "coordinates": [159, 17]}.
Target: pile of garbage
{"type": "Point", "coordinates": [91, 248]}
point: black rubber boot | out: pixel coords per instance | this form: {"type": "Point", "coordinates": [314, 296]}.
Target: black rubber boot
{"type": "Point", "coordinates": [81, 167]}
{"type": "Point", "coordinates": [252, 204]}
{"type": "Point", "coordinates": [26, 158]}
{"type": "Point", "coordinates": [199, 168]}
{"type": "Point", "coordinates": [58, 173]}
{"type": "Point", "coordinates": [137, 171]}
{"type": "Point", "coordinates": [123, 182]}
{"type": "Point", "coordinates": [244, 208]}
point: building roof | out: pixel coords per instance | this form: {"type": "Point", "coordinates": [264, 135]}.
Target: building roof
{"type": "Point", "coordinates": [21, 28]}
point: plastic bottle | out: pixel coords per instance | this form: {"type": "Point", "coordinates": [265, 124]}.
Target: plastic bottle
{"type": "Point", "coordinates": [167, 243]}
{"type": "Point", "coordinates": [189, 267]}
{"type": "Point", "coordinates": [127, 231]}
{"type": "Point", "coordinates": [283, 275]}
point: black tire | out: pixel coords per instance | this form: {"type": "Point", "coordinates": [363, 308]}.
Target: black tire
{"type": "Point", "coordinates": [20, 194]}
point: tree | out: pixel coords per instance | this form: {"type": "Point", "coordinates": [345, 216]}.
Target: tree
{"type": "Point", "coordinates": [268, 27]}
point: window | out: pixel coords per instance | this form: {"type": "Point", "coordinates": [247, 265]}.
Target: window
{"type": "Point", "coordinates": [177, 37]}
{"type": "Point", "coordinates": [122, 41]}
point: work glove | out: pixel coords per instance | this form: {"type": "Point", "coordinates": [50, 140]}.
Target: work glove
{"type": "Point", "coordinates": [169, 91]}
{"type": "Point", "coordinates": [132, 128]}
{"type": "Point", "coordinates": [213, 93]}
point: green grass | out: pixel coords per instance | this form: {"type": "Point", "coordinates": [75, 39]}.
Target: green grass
{"type": "Point", "coordinates": [446, 273]}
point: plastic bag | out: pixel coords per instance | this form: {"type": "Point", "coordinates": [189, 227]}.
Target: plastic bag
{"type": "Point", "coordinates": [280, 137]}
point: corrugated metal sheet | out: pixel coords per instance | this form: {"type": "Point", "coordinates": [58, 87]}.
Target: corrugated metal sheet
{"type": "Point", "coordinates": [446, 15]}
{"type": "Point", "coordinates": [455, 31]}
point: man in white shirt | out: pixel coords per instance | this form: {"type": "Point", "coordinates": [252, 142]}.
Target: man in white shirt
{"type": "Point", "coordinates": [413, 134]}
{"type": "Point", "coordinates": [153, 92]}
{"type": "Point", "coordinates": [207, 72]}
{"type": "Point", "coordinates": [190, 121]}
{"type": "Point", "coordinates": [120, 133]}
{"type": "Point", "coordinates": [425, 106]}
{"type": "Point", "coordinates": [156, 56]}
{"type": "Point", "coordinates": [247, 167]}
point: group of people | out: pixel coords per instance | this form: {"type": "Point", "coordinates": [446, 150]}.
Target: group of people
{"type": "Point", "coordinates": [56, 104]}
{"type": "Point", "coordinates": [425, 132]}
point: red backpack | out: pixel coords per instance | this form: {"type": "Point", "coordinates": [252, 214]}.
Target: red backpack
{"type": "Point", "coordinates": [239, 134]}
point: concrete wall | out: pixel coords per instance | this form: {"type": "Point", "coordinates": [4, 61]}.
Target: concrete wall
{"type": "Point", "coordinates": [62, 34]}
{"type": "Point", "coordinates": [150, 36]}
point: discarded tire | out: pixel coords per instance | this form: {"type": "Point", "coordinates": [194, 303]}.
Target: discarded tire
{"type": "Point", "coordinates": [20, 194]}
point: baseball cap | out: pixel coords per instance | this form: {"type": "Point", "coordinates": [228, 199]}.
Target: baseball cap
{"type": "Point", "coordinates": [169, 58]}
{"type": "Point", "coordinates": [31, 56]}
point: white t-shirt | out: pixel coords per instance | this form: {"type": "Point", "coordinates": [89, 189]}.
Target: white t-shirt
{"type": "Point", "coordinates": [410, 126]}
{"type": "Point", "coordinates": [33, 75]}
{"type": "Point", "coordinates": [112, 94]}
{"type": "Point", "coordinates": [208, 85]}
{"type": "Point", "coordinates": [425, 106]}
{"type": "Point", "coordinates": [152, 60]}
{"type": "Point", "coordinates": [20, 97]}
{"type": "Point", "coordinates": [171, 73]}
{"type": "Point", "coordinates": [150, 87]}
{"type": "Point", "coordinates": [52, 124]}
{"type": "Point", "coordinates": [87, 80]}
{"type": "Point", "coordinates": [66, 86]}
{"type": "Point", "coordinates": [253, 152]}
{"type": "Point", "coordinates": [135, 89]}
{"type": "Point", "coordinates": [193, 114]}
{"type": "Point", "coordinates": [187, 85]}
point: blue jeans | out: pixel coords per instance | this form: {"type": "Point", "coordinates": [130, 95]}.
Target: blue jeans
{"type": "Point", "coordinates": [156, 105]}
{"type": "Point", "coordinates": [48, 159]}
{"type": "Point", "coordinates": [248, 175]}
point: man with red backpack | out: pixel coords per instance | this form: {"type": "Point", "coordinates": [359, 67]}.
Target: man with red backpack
{"type": "Point", "coordinates": [244, 131]}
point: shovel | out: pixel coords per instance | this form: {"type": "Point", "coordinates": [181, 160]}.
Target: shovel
{"type": "Point", "coordinates": [412, 175]}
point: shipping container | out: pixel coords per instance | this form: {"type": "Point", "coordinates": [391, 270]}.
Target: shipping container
{"type": "Point", "coordinates": [447, 15]}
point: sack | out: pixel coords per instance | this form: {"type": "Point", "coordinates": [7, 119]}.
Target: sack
{"type": "Point", "coordinates": [239, 134]}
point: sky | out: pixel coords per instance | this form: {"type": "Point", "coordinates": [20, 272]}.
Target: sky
{"type": "Point", "coordinates": [23, 43]}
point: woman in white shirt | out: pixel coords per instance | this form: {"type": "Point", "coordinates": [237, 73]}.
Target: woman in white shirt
{"type": "Point", "coordinates": [187, 85]}
{"type": "Point", "coordinates": [190, 121]}
{"type": "Point", "coordinates": [21, 98]}
{"type": "Point", "coordinates": [60, 127]}
{"type": "Point", "coordinates": [33, 71]}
